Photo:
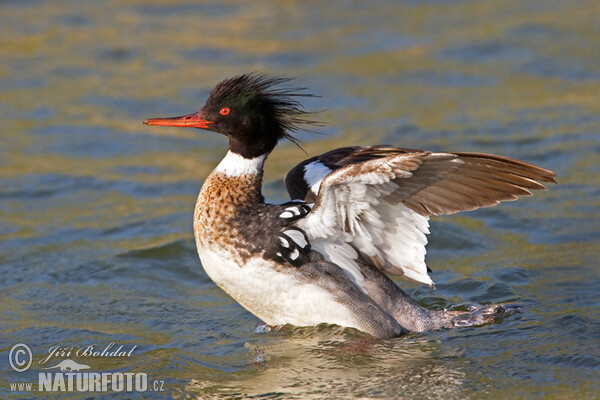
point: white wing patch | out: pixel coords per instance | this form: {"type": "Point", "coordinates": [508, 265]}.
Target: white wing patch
{"type": "Point", "coordinates": [374, 208]}
{"type": "Point", "coordinates": [298, 210]}
{"type": "Point", "coordinates": [314, 174]}
{"type": "Point", "coordinates": [352, 217]}
{"type": "Point", "coordinates": [286, 215]}
{"type": "Point", "coordinates": [295, 254]}
{"type": "Point", "coordinates": [293, 210]}
{"type": "Point", "coordinates": [297, 237]}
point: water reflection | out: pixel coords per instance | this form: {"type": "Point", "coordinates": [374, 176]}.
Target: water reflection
{"type": "Point", "coordinates": [325, 362]}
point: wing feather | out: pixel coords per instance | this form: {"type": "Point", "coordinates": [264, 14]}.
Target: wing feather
{"type": "Point", "coordinates": [374, 202]}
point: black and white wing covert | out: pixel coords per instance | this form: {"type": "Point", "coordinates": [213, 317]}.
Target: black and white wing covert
{"type": "Point", "coordinates": [374, 203]}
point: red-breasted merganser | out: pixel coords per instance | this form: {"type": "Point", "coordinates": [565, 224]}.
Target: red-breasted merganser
{"type": "Point", "coordinates": [356, 215]}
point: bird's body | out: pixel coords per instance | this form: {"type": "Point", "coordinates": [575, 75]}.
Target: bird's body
{"type": "Point", "coordinates": [233, 228]}
{"type": "Point", "coordinates": [357, 214]}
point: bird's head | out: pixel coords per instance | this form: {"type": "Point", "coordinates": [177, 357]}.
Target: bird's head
{"type": "Point", "coordinates": [253, 110]}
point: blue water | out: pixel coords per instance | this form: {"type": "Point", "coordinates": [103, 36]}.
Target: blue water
{"type": "Point", "coordinates": [96, 242]}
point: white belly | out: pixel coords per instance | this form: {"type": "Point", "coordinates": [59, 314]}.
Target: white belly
{"type": "Point", "coordinates": [277, 298]}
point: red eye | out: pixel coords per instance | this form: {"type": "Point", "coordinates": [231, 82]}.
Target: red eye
{"type": "Point", "coordinates": [224, 111]}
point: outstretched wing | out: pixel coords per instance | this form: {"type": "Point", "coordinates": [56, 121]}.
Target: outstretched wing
{"type": "Point", "coordinates": [373, 203]}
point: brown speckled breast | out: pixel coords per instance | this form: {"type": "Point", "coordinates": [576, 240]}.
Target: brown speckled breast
{"type": "Point", "coordinates": [231, 216]}
{"type": "Point", "coordinates": [222, 201]}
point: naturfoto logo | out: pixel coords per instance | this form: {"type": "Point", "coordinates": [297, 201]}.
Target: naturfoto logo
{"type": "Point", "coordinates": [68, 375]}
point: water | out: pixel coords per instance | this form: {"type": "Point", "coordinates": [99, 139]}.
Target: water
{"type": "Point", "coordinates": [95, 208]}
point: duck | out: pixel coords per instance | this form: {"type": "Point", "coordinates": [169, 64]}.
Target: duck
{"type": "Point", "coordinates": [357, 216]}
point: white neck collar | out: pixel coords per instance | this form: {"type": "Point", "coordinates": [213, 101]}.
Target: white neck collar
{"type": "Point", "coordinates": [234, 164]}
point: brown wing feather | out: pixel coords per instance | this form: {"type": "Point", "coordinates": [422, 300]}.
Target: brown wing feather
{"type": "Point", "coordinates": [443, 183]}
{"type": "Point", "coordinates": [473, 181]}
{"type": "Point", "coordinates": [368, 196]}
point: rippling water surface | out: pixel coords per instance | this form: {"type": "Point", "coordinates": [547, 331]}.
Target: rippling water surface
{"type": "Point", "coordinates": [95, 208]}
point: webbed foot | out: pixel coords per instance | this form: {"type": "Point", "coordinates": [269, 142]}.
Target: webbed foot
{"type": "Point", "coordinates": [261, 328]}
{"type": "Point", "coordinates": [481, 315]}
